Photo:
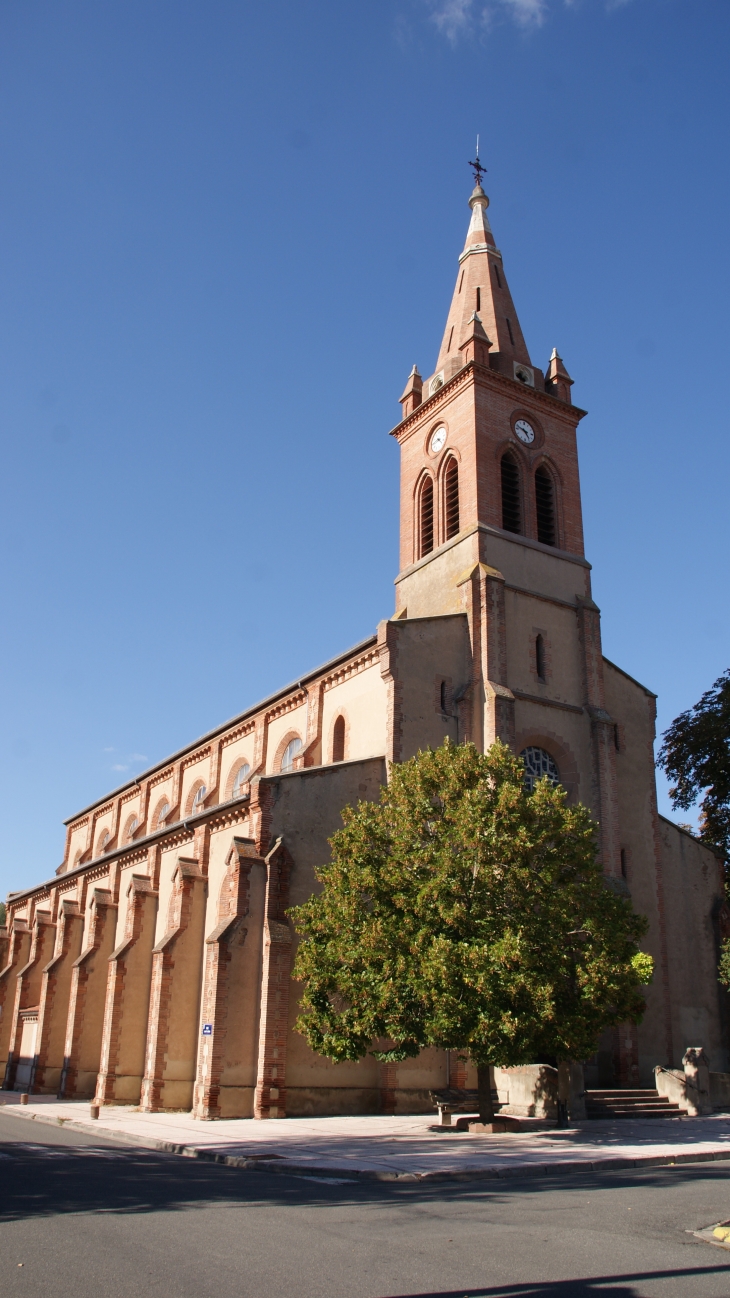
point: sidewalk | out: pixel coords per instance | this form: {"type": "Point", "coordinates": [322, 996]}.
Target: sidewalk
{"type": "Point", "coordinates": [392, 1148]}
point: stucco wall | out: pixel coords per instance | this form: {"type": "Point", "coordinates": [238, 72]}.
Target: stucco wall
{"type": "Point", "coordinates": [693, 890]}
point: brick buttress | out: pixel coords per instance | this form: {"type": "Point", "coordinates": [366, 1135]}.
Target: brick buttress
{"type": "Point", "coordinates": [127, 1000]}
{"type": "Point", "coordinates": [270, 1099]}
{"type": "Point", "coordinates": [54, 1000]}
{"type": "Point", "coordinates": [85, 1021]}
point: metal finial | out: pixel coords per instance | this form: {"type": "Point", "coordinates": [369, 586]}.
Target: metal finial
{"type": "Point", "coordinates": [477, 167]}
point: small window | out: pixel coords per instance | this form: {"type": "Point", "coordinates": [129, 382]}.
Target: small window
{"type": "Point", "coordinates": [511, 512]}
{"type": "Point", "coordinates": [538, 764]}
{"type": "Point", "coordinates": [623, 862]}
{"type": "Point", "coordinates": [461, 281]}
{"type": "Point", "coordinates": [545, 506]}
{"type": "Point", "coordinates": [426, 518]}
{"type": "Point", "coordinates": [290, 752]}
{"type": "Point", "coordinates": [444, 698]}
{"type": "Point", "coordinates": [479, 299]}
{"type": "Point", "coordinates": [242, 775]}
{"type": "Point", "coordinates": [199, 799]}
{"type": "Point", "coordinates": [451, 335]}
{"type": "Point", "coordinates": [451, 499]}
{"type": "Point", "coordinates": [162, 814]}
{"type": "Point", "coordinates": [496, 271]}
{"type": "Point", "coordinates": [540, 658]}
{"type": "Point", "coordinates": [616, 739]}
{"type": "Point", "coordinates": [509, 329]}
{"type": "Point", "coordinates": [338, 740]}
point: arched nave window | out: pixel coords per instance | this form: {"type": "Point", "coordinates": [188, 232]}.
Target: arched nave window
{"type": "Point", "coordinates": [338, 740]}
{"type": "Point", "coordinates": [293, 748]}
{"type": "Point", "coordinates": [242, 775]}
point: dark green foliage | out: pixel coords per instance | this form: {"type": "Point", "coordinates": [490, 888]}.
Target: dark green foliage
{"type": "Point", "coordinates": [463, 912]}
{"type": "Point", "coordinates": [696, 755]}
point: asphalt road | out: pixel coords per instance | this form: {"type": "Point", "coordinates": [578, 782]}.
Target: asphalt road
{"type": "Point", "coordinates": [95, 1219]}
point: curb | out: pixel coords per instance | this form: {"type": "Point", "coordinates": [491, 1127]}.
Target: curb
{"type": "Point", "coordinates": [283, 1167]}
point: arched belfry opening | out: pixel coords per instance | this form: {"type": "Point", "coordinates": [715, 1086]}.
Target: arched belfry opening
{"type": "Point", "coordinates": [511, 504]}
{"type": "Point", "coordinates": [451, 499]}
{"type": "Point", "coordinates": [425, 518]}
{"type": "Point", "coordinates": [545, 505]}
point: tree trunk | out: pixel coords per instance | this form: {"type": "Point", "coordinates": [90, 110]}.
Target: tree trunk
{"type": "Point", "coordinates": [484, 1085]}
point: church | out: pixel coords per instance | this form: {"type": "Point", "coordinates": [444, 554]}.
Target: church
{"type": "Point", "coordinates": [153, 967]}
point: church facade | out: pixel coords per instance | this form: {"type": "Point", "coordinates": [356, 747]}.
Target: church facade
{"type": "Point", "coordinates": [153, 967]}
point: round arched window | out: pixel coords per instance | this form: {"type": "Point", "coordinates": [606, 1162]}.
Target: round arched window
{"type": "Point", "coordinates": [539, 763]}
{"type": "Point", "coordinates": [162, 814]}
{"type": "Point", "coordinates": [199, 799]}
{"type": "Point", "coordinates": [242, 775]}
{"type": "Point", "coordinates": [133, 824]}
{"type": "Point", "coordinates": [290, 752]}
{"type": "Point", "coordinates": [104, 840]}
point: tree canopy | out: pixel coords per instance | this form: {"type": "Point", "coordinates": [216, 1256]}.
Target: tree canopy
{"type": "Point", "coordinates": [464, 912]}
{"type": "Point", "coordinates": [695, 754]}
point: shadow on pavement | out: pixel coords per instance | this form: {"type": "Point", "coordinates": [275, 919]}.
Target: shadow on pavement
{"type": "Point", "coordinates": [604, 1286]}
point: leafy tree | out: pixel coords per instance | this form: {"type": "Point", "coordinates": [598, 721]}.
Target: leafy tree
{"type": "Point", "coordinates": [696, 755]}
{"type": "Point", "coordinates": [464, 912]}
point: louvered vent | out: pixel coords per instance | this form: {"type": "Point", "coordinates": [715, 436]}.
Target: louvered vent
{"type": "Point", "coordinates": [511, 514]}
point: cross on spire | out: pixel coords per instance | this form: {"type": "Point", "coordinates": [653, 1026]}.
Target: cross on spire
{"type": "Point", "coordinates": [477, 168]}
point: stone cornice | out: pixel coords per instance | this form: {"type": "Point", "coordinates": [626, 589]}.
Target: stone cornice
{"type": "Point", "coordinates": [478, 373]}
{"type": "Point", "coordinates": [252, 712]}
{"type": "Point", "coordinates": [352, 668]}
{"type": "Point", "coordinates": [180, 832]}
{"type": "Point", "coordinates": [514, 537]}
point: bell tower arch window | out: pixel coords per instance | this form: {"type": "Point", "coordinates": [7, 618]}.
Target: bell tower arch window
{"type": "Point", "coordinates": [425, 518]}
{"type": "Point", "coordinates": [545, 505]}
{"type": "Point", "coordinates": [511, 504]}
{"type": "Point", "coordinates": [451, 499]}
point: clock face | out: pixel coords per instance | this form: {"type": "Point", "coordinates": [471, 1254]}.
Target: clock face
{"type": "Point", "coordinates": [525, 431]}
{"type": "Point", "coordinates": [437, 441]}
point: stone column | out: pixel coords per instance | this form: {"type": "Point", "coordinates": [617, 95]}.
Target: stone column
{"type": "Point", "coordinates": [28, 991]}
{"type": "Point", "coordinates": [124, 1032]}
{"type": "Point", "coordinates": [85, 1021]}
{"type": "Point", "coordinates": [172, 1030]}
{"type": "Point", "coordinates": [270, 1101]}
{"type": "Point", "coordinates": [54, 1000]}
{"type": "Point", "coordinates": [227, 1044]}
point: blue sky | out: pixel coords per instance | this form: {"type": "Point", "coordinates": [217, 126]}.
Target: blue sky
{"type": "Point", "coordinates": [228, 230]}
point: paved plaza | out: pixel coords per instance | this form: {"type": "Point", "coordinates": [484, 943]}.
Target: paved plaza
{"type": "Point", "coordinates": [393, 1148]}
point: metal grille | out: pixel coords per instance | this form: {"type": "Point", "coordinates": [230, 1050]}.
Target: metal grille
{"type": "Point", "coordinates": [451, 495]}
{"type": "Point", "coordinates": [545, 507]}
{"type": "Point", "coordinates": [511, 520]}
{"type": "Point", "coordinates": [427, 517]}
{"type": "Point", "coordinates": [539, 763]}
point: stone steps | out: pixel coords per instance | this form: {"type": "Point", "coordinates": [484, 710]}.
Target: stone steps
{"type": "Point", "coordinates": [630, 1104]}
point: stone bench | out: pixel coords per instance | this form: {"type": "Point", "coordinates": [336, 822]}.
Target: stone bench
{"type": "Point", "coordinates": [451, 1099]}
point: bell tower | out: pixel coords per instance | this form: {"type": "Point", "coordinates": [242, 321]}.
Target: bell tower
{"type": "Point", "coordinates": [491, 527]}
